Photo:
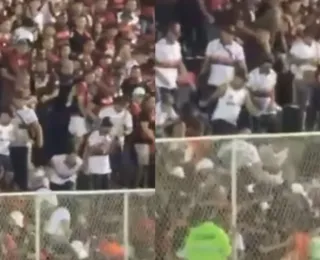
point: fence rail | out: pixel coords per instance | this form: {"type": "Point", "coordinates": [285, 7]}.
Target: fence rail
{"type": "Point", "coordinates": [255, 185]}
{"type": "Point", "coordinates": [112, 214]}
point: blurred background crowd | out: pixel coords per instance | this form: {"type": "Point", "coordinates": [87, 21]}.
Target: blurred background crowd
{"type": "Point", "coordinates": [77, 227]}
{"type": "Point", "coordinates": [238, 67]}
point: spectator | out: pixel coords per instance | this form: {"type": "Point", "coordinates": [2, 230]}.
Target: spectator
{"type": "Point", "coordinates": [144, 139]}
{"type": "Point", "coordinates": [65, 168]}
{"type": "Point", "coordinates": [168, 60]}
{"type": "Point", "coordinates": [100, 145]}
{"type": "Point", "coordinates": [226, 115]}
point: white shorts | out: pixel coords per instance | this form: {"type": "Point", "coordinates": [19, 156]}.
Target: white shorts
{"type": "Point", "coordinates": [77, 126]}
{"type": "Point", "coordinates": [143, 153]}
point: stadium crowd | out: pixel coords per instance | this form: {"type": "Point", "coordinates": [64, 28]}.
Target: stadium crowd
{"type": "Point", "coordinates": [237, 67]}
{"type": "Point", "coordinates": [77, 95]}
{"type": "Point", "coordinates": [74, 228]}
{"type": "Point", "coordinates": [77, 103]}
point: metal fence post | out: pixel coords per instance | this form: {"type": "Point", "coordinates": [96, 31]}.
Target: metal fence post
{"type": "Point", "coordinates": [37, 227]}
{"type": "Point", "coordinates": [126, 242]}
{"type": "Point", "coordinates": [234, 197]}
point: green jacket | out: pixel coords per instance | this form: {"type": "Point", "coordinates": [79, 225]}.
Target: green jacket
{"type": "Point", "coordinates": [207, 241]}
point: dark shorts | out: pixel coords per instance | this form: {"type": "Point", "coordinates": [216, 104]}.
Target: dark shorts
{"type": "Point", "coordinates": [163, 91]}
{"type": "Point", "coordinates": [221, 127]}
{"type": "Point", "coordinates": [19, 159]}
{"type": "Point", "coordinates": [62, 187]}
{"type": "Point", "coordinates": [100, 181]}
{"type": "Point", "coordinates": [5, 161]}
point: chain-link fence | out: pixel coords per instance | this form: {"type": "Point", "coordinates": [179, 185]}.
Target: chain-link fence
{"type": "Point", "coordinates": [78, 225]}
{"type": "Point", "coordinates": [263, 191]}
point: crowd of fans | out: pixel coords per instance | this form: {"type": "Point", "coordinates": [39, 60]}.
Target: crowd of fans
{"type": "Point", "coordinates": [77, 103]}
{"type": "Point", "coordinates": [238, 67]}
{"type": "Point", "coordinates": [77, 94]}
{"type": "Point", "coordinates": [74, 228]}
{"type": "Point", "coordinates": [271, 48]}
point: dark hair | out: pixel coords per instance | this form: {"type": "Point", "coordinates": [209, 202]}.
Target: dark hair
{"type": "Point", "coordinates": [171, 25]}
{"type": "Point", "coordinates": [6, 110]}
{"type": "Point", "coordinates": [28, 22]}
{"type": "Point", "coordinates": [240, 72]}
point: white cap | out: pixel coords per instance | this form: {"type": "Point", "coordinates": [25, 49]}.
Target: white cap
{"type": "Point", "coordinates": [178, 172]}
{"type": "Point", "coordinates": [18, 218]}
{"type": "Point", "coordinates": [79, 249]}
{"type": "Point", "coordinates": [264, 206]}
{"type": "Point", "coordinates": [250, 188]}
{"type": "Point", "coordinates": [139, 91]}
{"type": "Point", "coordinates": [297, 188]}
{"type": "Point", "coordinates": [203, 164]}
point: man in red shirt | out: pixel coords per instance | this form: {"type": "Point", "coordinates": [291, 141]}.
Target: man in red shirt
{"type": "Point", "coordinates": [12, 61]}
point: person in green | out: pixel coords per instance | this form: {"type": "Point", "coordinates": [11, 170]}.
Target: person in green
{"type": "Point", "coordinates": [314, 250]}
{"type": "Point", "coordinates": [206, 240]}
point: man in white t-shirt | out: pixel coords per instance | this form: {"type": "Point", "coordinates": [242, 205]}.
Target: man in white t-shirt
{"type": "Point", "coordinates": [261, 84]}
{"type": "Point", "coordinates": [27, 131]}
{"type": "Point", "coordinates": [120, 117]}
{"type": "Point", "coordinates": [230, 100]}
{"type": "Point", "coordinates": [65, 169]}
{"type": "Point", "coordinates": [6, 137]}
{"type": "Point", "coordinates": [99, 146]}
{"type": "Point", "coordinates": [168, 60]}
{"type": "Point", "coordinates": [304, 58]}
{"type": "Point", "coordinates": [221, 57]}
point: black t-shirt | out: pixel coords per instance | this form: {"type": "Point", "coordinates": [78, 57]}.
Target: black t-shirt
{"type": "Point", "coordinates": [254, 53]}
{"type": "Point", "coordinates": [77, 41]}
{"type": "Point", "coordinates": [44, 85]}
{"type": "Point", "coordinates": [129, 85]}
{"type": "Point", "coordinates": [147, 2]}
{"type": "Point", "coordinates": [139, 136]}
{"type": "Point", "coordinates": [66, 83]}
